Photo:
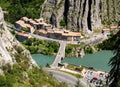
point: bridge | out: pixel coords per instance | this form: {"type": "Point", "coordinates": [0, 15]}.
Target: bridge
{"type": "Point", "coordinates": [60, 55]}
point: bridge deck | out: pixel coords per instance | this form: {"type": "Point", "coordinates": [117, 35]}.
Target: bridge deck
{"type": "Point", "coordinates": [60, 54]}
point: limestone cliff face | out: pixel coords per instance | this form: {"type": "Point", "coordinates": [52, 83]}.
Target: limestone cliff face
{"type": "Point", "coordinates": [85, 15]}
{"type": "Point", "coordinates": [9, 45]}
{"type": "Point", "coordinates": [1, 16]}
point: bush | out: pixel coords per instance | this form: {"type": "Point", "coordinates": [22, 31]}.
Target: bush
{"type": "Point", "coordinates": [88, 49]}
{"type": "Point", "coordinates": [2, 81]}
{"type": "Point", "coordinates": [41, 46]}
{"type": "Point", "coordinates": [62, 22]}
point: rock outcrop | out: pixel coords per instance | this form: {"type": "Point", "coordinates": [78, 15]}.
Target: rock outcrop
{"type": "Point", "coordinates": [8, 45]}
{"type": "Point", "coordinates": [85, 15]}
{"type": "Point", "coordinates": [1, 16]}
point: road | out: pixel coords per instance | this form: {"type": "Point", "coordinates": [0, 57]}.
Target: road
{"type": "Point", "coordinates": [95, 40]}
{"type": "Point", "coordinates": [60, 54]}
{"type": "Point", "coordinates": [92, 40]}
{"type": "Point", "coordinates": [67, 78]}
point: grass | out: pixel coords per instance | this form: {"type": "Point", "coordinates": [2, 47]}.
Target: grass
{"type": "Point", "coordinates": [75, 75]}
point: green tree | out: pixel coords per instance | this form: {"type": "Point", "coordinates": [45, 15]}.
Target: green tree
{"type": "Point", "coordinates": [78, 84]}
{"type": "Point", "coordinates": [2, 81]}
{"type": "Point", "coordinates": [62, 22]}
{"type": "Point", "coordinates": [114, 77]}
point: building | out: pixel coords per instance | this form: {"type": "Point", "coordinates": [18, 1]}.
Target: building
{"type": "Point", "coordinates": [111, 28]}
{"type": "Point", "coordinates": [60, 34]}
{"type": "Point", "coordinates": [31, 24]}
{"type": "Point", "coordinates": [46, 30]}
{"type": "Point", "coordinates": [21, 36]}
{"type": "Point", "coordinates": [21, 25]}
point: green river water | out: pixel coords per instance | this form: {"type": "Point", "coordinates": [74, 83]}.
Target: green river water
{"type": "Point", "coordinates": [98, 60]}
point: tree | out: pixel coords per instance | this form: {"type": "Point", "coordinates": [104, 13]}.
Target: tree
{"type": "Point", "coordinates": [78, 84]}
{"type": "Point", "coordinates": [114, 75]}
{"type": "Point", "coordinates": [2, 81]}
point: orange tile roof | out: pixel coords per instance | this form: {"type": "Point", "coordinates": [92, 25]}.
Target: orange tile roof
{"type": "Point", "coordinates": [21, 23]}
{"type": "Point", "coordinates": [72, 34]}
{"type": "Point", "coordinates": [23, 34]}
{"type": "Point", "coordinates": [106, 29]}
{"type": "Point", "coordinates": [42, 31]}
{"type": "Point", "coordinates": [58, 31]}
{"type": "Point", "coordinates": [50, 31]}
{"type": "Point", "coordinates": [113, 27]}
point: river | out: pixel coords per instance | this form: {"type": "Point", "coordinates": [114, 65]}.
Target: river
{"type": "Point", "coordinates": [98, 60]}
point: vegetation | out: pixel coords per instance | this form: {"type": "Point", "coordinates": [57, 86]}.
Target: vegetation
{"type": "Point", "coordinates": [79, 84]}
{"type": "Point", "coordinates": [110, 44]}
{"type": "Point", "coordinates": [41, 46]}
{"type": "Point", "coordinates": [115, 62]}
{"type": "Point", "coordinates": [19, 77]}
{"type": "Point", "coordinates": [62, 22]}
{"type": "Point", "coordinates": [25, 29]}
{"type": "Point", "coordinates": [70, 49]}
{"type": "Point", "coordinates": [29, 8]}
{"type": "Point", "coordinates": [24, 74]}
{"type": "Point", "coordinates": [106, 22]}
{"type": "Point", "coordinates": [73, 74]}
{"type": "Point", "coordinates": [75, 68]}
{"type": "Point", "coordinates": [113, 43]}
{"type": "Point", "coordinates": [88, 49]}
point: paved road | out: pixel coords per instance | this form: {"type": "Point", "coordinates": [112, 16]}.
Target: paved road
{"type": "Point", "coordinates": [67, 78]}
{"type": "Point", "coordinates": [95, 40]}
{"type": "Point", "coordinates": [92, 40]}
{"type": "Point", "coordinates": [60, 54]}
{"type": "Point", "coordinates": [45, 38]}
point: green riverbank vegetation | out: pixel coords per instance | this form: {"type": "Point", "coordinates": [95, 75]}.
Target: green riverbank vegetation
{"type": "Point", "coordinates": [40, 46]}
{"type": "Point", "coordinates": [75, 50]}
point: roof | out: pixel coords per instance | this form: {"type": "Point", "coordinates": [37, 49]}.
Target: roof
{"type": "Point", "coordinates": [32, 21]}
{"type": "Point", "coordinates": [114, 27]}
{"type": "Point", "coordinates": [50, 31]}
{"type": "Point", "coordinates": [21, 23]}
{"type": "Point", "coordinates": [111, 27]}
{"type": "Point", "coordinates": [58, 31]}
{"type": "Point", "coordinates": [72, 34]}
{"type": "Point", "coordinates": [42, 31]}
{"type": "Point", "coordinates": [23, 34]}
{"type": "Point", "coordinates": [28, 26]}
{"type": "Point", "coordinates": [39, 20]}
{"type": "Point", "coordinates": [25, 18]}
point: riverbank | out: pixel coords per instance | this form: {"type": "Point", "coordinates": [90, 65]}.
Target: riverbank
{"type": "Point", "coordinates": [41, 46]}
{"type": "Point", "coordinates": [98, 60]}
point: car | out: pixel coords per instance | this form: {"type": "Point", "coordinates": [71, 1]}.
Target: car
{"type": "Point", "coordinates": [91, 80]}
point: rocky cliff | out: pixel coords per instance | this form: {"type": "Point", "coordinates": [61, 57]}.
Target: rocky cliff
{"type": "Point", "coordinates": [9, 46]}
{"type": "Point", "coordinates": [85, 15]}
